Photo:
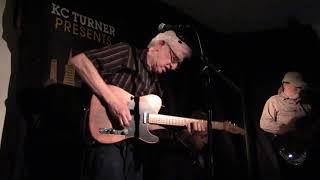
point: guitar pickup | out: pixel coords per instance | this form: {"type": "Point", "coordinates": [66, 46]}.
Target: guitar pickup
{"type": "Point", "coordinates": [113, 131]}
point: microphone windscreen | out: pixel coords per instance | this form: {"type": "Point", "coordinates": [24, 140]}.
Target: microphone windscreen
{"type": "Point", "coordinates": [161, 27]}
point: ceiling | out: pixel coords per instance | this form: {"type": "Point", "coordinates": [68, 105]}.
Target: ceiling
{"type": "Point", "coordinates": [249, 15]}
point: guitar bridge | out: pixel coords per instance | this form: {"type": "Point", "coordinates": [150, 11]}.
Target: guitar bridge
{"type": "Point", "coordinates": [113, 131]}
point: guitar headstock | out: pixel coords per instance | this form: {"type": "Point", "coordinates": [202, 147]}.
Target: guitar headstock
{"type": "Point", "coordinates": [233, 128]}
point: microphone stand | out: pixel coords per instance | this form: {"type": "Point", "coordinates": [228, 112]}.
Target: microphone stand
{"type": "Point", "coordinates": [208, 70]}
{"type": "Point", "coordinates": [209, 87]}
{"type": "Point", "coordinates": [208, 75]}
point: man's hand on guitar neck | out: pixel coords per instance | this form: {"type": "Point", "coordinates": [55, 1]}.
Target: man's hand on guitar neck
{"type": "Point", "coordinates": [195, 127]}
{"type": "Point", "coordinates": [198, 131]}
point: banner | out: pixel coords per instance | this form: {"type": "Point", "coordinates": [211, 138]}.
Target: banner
{"type": "Point", "coordinates": [55, 31]}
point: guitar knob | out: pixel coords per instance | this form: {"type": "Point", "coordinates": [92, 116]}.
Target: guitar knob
{"type": "Point", "coordinates": [125, 131]}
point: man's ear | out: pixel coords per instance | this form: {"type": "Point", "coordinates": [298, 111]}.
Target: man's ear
{"type": "Point", "coordinates": [159, 44]}
{"type": "Point", "coordinates": [162, 42]}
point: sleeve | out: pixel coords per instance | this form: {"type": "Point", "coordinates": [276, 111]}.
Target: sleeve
{"type": "Point", "coordinates": [109, 59]}
{"type": "Point", "coordinates": [268, 120]}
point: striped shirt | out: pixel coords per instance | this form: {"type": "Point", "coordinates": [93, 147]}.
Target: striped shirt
{"type": "Point", "coordinates": [125, 66]}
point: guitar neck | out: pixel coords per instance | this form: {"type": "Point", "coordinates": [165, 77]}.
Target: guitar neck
{"type": "Point", "coordinates": [177, 121]}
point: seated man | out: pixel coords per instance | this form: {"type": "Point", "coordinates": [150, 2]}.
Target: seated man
{"type": "Point", "coordinates": [284, 120]}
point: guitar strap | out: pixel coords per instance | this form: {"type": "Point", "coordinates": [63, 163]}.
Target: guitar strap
{"type": "Point", "coordinates": [134, 89]}
{"type": "Point", "coordinates": [135, 73]}
{"type": "Point", "coordinates": [136, 99]}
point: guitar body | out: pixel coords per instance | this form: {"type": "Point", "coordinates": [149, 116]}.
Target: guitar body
{"type": "Point", "coordinates": [106, 129]}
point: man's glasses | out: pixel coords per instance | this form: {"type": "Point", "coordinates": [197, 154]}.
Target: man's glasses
{"type": "Point", "coordinates": [174, 58]}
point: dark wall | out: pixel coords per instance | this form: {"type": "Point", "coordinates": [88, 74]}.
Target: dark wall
{"type": "Point", "coordinates": [49, 117]}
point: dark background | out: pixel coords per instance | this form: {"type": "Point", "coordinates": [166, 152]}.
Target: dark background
{"type": "Point", "coordinates": [46, 123]}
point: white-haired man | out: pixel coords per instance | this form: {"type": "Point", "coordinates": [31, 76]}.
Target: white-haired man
{"type": "Point", "coordinates": [135, 71]}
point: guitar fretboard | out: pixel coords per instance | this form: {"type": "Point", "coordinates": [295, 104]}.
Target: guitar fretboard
{"type": "Point", "coordinates": [177, 121]}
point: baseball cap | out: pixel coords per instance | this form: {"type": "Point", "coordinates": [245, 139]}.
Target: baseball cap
{"type": "Point", "coordinates": [294, 78]}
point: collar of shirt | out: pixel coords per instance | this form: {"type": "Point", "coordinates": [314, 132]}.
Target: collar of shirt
{"type": "Point", "coordinates": [136, 54]}
{"type": "Point", "coordinates": [289, 100]}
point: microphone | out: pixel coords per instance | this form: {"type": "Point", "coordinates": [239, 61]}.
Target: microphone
{"type": "Point", "coordinates": [177, 28]}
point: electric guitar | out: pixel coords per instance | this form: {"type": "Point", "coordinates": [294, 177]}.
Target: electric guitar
{"type": "Point", "coordinates": [106, 129]}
